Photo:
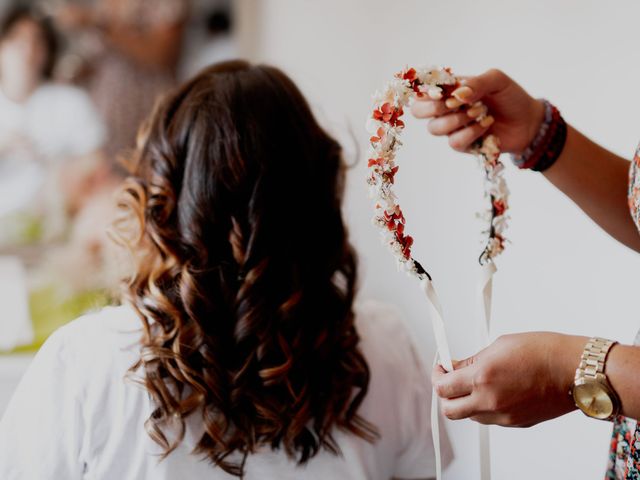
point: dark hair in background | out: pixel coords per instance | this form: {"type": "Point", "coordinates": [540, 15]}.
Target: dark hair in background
{"type": "Point", "coordinates": [20, 12]}
{"type": "Point", "coordinates": [219, 21]}
{"type": "Point", "coordinates": [244, 276]}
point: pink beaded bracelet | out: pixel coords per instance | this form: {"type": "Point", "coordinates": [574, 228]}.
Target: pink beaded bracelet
{"type": "Point", "coordinates": [547, 145]}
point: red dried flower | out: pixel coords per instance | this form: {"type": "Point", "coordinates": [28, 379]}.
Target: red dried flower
{"type": "Point", "coordinates": [389, 114]}
{"type": "Point", "coordinates": [499, 207]}
{"type": "Point", "coordinates": [379, 135]}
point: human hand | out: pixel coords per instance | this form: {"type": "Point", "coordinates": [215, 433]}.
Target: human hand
{"type": "Point", "coordinates": [517, 115]}
{"type": "Point", "coordinates": [517, 381]}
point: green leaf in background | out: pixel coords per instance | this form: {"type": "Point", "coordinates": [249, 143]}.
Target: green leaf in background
{"type": "Point", "coordinates": [49, 311]}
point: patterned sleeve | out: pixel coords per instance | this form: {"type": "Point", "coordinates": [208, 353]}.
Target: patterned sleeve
{"type": "Point", "coordinates": [634, 188]}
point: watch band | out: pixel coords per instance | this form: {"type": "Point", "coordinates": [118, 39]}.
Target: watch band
{"type": "Point", "coordinates": [594, 357]}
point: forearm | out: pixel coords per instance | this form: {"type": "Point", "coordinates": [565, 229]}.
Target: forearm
{"type": "Point", "coordinates": [623, 370]}
{"type": "Point", "coordinates": [596, 180]}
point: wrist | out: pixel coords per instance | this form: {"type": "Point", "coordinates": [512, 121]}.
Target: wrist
{"type": "Point", "coordinates": [564, 359]}
{"type": "Point", "coordinates": [537, 118]}
{"type": "Point", "coordinates": [548, 141]}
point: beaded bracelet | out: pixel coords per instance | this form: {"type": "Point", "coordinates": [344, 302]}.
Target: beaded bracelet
{"type": "Point", "coordinates": [547, 145]}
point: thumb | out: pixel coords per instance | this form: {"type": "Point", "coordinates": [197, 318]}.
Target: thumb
{"type": "Point", "coordinates": [474, 88]}
{"type": "Point", "coordinates": [459, 364]}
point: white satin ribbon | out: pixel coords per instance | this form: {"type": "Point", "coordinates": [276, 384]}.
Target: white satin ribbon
{"type": "Point", "coordinates": [443, 356]}
{"type": "Point", "coordinates": [440, 335]}
{"type": "Point", "coordinates": [435, 428]}
{"type": "Point", "coordinates": [486, 292]}
{"type": "Point", "coordinates": [484, 328]}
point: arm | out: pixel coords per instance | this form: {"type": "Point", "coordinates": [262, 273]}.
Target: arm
{"type": "Point", "coordinates": [594, 178]}
{"type": "Point", "coordinates": [523, 379]}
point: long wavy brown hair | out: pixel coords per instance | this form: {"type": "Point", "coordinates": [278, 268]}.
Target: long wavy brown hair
{"type": "Point", "coordinates": [244, 278]}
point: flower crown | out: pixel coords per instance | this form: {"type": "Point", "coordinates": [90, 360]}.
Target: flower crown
{"type": "Point", "coordinates": [386, 126]}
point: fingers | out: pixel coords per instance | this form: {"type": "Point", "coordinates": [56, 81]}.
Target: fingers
{"type": "Point", "coordinates": [448, 124]}
{"type": "Point", "coordinates": [453, 384]}
{"type": "Point", "coordinates": [459, 408]}
{"type": "Point", "coordinates": [459, 364]}
{"type": "Point", "coordinates": [429, 108]}
{"type": "Point", "coordinates": [474, 88]}
{"type": "Point", "coordinates": [461, 140]}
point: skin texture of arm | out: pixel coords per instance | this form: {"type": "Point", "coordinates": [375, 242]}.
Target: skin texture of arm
{"type": "Point", "coordinates": [596, 180]}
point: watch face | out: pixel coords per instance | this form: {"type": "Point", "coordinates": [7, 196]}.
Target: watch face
{"type": "Point", "coordinates": [593, 399]}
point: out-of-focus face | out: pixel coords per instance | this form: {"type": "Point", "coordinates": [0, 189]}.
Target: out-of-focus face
{"type": "Point", "coordinates": [23, 52]}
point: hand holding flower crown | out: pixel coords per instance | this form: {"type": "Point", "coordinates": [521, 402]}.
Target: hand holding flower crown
{"type": "Point", "coordinates": [515, 115]}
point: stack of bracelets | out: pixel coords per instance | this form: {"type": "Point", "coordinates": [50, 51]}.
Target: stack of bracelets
{"type": "Point", "coordinates": [547, 146]}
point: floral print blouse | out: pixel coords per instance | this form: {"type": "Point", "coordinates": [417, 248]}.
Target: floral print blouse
{"type": "Point", "coordinates": [624, 455]}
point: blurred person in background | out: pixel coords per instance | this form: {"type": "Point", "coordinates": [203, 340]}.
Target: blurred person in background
{"type": "Point", "coordinates": [140, 42]}
{"type": "Point", "coordinates": [55, 185]}
{"type": "Point", "coordinates": [48, 132]}
{"type": "Point", "coordinates": [245, 350]}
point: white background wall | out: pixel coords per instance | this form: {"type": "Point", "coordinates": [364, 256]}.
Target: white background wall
{"type": "Point", "coordinates": [560, 272]}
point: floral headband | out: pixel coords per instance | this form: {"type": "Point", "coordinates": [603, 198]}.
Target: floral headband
{"type": "Point", "coordinates": [386, 126]}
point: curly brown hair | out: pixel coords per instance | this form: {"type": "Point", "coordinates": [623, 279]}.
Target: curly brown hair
{"type": "Point", "coordinates": [244, 278]}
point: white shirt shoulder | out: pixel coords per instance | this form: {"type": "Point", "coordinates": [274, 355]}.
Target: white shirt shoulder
{"type": "Point", "coordinates": [74, 411]}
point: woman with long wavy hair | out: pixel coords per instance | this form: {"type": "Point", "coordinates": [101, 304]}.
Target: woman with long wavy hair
{"type": "Point", "coordinates": [252, 360]}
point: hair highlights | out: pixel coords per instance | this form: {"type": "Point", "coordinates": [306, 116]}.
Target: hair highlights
{"type": "Point", "coordinates": [244, 277]}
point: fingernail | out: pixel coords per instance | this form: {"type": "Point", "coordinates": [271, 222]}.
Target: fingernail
{"type": "Point", "coordinates": [487, 121]}
{"type": "Point", "coordinates": [462, 93]}
{"type": "Point", "coordinates": [452, 102]}
{"type": "Point", "coordinates": [476, 110]}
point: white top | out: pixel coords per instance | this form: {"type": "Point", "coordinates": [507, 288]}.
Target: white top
{"type": "Point", "coordinates": [57, 120]}
{"type": "Point", "coordinates": [73, 417]}
{"type": "Point", "coordinates": [56, 123]}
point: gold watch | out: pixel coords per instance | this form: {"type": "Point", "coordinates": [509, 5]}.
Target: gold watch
{"type": "Point", "coordinates": [591, 390]}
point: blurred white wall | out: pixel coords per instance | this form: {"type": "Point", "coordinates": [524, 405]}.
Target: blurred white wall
{"type": "Point", "coordinates": [560, 273]}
